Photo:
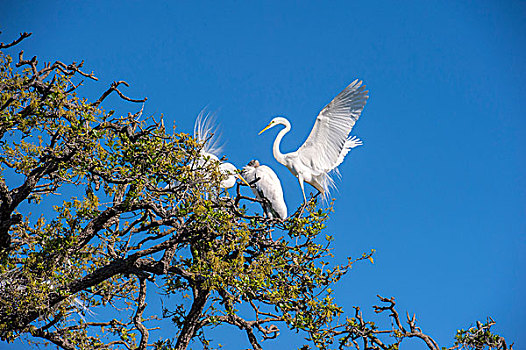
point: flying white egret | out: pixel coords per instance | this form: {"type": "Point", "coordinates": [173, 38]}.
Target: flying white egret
{"type": "Point", "coordinates": [205, 132]}
{"type": "Point", "coordinates": [266, 187]}
{"type": "Point", "coordinates": [328, 142]}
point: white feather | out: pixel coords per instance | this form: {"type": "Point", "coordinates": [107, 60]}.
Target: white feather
{"type": "Point", "coordinates": [265, 185]}
{"type": "Point", "coordinates": [205, 131]}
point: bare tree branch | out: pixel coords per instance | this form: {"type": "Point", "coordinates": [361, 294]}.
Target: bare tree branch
{"type": "Point", "coordinates": [22, 37]}
{"type": "Point", "coordinates": [112, 88]}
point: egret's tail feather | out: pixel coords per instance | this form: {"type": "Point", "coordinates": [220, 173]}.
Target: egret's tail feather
{"type": "Point", "coordinates": [328, 186]}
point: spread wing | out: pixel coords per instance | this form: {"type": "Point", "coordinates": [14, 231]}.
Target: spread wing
{"type": "Point", "coordinates": [327, 140]}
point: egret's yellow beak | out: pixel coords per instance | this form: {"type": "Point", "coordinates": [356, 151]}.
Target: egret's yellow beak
{"type": "Point", "coordinates": [266, 128]}
{"type": "Point", "coordinates": [241, 178]}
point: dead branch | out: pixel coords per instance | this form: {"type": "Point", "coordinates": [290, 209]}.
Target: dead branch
{"type": "Point", "coordinates": [22, 37]}
{"type": "Point", "coordinates": [113, 88]}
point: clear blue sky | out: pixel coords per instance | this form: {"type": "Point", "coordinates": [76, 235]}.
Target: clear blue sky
{"type": "Point", "coordinates": [438, 189]}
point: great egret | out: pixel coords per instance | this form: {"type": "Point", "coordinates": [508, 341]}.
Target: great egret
{"type": "Point", "coordinates": [266, 186]}
{"type": "Point", "coordinates": [328, 142]}
{"type": "Point", "coordinates": [205, 132]}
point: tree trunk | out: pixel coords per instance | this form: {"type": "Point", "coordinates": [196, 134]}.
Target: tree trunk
{"type": "Point", "coordinates": [191, 323]}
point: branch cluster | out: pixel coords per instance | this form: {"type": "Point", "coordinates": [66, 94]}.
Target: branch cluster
{"type": "Point", "coordinates": [142, 212]}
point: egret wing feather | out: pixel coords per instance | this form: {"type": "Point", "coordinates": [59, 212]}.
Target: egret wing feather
{"type": "Point", "coordinates": [266, 185]}
{"type": "Point", "coordinates": [270, 187]}
{"type": "Point", "coordinates": [325, 147]}
{"type": "Point", "coordinates": [351, 143]}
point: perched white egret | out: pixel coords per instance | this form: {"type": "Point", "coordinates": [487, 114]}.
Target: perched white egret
{"type": "Point", "coordinates": [328, 142]}
{"type": "Point", "coordinates": [266, 186]}
{"type": "Point", "coordinates": [205, 132]}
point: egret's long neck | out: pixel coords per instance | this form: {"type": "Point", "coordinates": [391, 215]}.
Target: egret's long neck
{"type": "Point", "coordinates": [275, 149]}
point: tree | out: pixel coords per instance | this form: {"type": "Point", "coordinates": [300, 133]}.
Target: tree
{"type": "Point", "coordinates": [140, 214]}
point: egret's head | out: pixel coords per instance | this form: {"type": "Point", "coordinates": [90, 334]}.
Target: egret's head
{"type": "Point", "coordinates": [227, 169]}
{"type": "Point", "coordinates": [254, 163]}
{"type": "Point", "coordinates": [274, 122]}
{"type": "Point", "coordinates": [231, 173]}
